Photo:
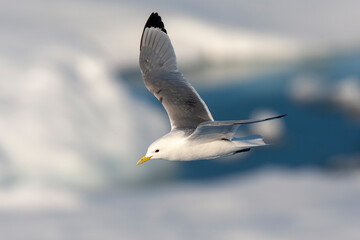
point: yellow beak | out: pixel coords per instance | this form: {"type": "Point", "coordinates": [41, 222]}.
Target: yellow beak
{"type": "Point", "coordinates": [143, 159]}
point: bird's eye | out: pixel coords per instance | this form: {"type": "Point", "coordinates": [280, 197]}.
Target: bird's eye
{"type": "Point", "coordinates": [157, 150]}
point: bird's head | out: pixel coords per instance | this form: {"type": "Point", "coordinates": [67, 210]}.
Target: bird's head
{"type": "Point", "coordinates": [167, 147]}
{"type": "Point", "coordinates": [157, 150]}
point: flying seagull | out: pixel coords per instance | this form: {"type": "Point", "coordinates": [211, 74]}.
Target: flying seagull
{"type": "Point", "coordinates": [194, 134]}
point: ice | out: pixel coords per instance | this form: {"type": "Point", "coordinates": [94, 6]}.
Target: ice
{"type": "Point", "coordinates": [268, 205]}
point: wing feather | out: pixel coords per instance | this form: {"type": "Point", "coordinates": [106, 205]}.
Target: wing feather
{"type": "Point", "coordinates": [238, 122]}
{"type": "Point", "coordinates": [211, 130]}
{"type": "Point", "coordinates": [158, 65]}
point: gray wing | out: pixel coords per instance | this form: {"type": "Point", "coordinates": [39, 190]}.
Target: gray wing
{"type": "Point", "coordinates": [224, 130]}
{"type": "Point", "coordinates": [158, 65]}
{"type": "Point", "coordinates": [237, 122]}
{"type": "Point", "coordinates": [208, 133]}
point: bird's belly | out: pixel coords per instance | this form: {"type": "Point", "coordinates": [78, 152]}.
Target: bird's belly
{"type": "Point", "coordinates": [191, 150]}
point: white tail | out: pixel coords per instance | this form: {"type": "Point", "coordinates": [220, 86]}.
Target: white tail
{"type": "Point", "coordinates": [250, 141]}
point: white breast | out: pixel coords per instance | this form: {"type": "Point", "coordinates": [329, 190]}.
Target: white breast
{"type": "Point", "coordinates": [188, 150]}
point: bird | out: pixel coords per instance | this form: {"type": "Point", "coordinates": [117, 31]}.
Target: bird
{"type": "Point", "coordinates": [194, 134]}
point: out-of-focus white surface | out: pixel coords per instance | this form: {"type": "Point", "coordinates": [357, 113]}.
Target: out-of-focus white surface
{"type": "Point", "coordinates": [343, 94]}
{"type": "Point", "coordinates": [65, 121]}
{"type": "Point", "coordinates": [266, 205]}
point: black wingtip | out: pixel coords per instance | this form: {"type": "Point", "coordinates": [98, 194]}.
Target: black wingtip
{"type": "Point", "coordinates": [155, 21]}
{"type": "Point", "coordinates": [271, 118]}
{"type": "Point", "coordinates": [282, 115]}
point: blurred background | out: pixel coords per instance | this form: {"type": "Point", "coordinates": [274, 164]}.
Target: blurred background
{"type": "Point", "coordinates": [75, 117]}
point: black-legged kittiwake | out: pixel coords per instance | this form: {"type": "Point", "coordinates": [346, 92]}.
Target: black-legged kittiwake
{"type": "Point", "coordinates": [194, 134]}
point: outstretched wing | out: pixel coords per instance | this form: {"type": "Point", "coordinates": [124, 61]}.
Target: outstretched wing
{"type": "Point", "coordinates": [238, 122]}
{"type": "Point", "coordinates": [182, 103]}
{"type": "Point", "coordinates": [209, 131]}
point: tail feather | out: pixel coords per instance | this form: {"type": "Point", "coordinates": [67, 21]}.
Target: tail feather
{"type": "Point", "coordinates": [249, 141]}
